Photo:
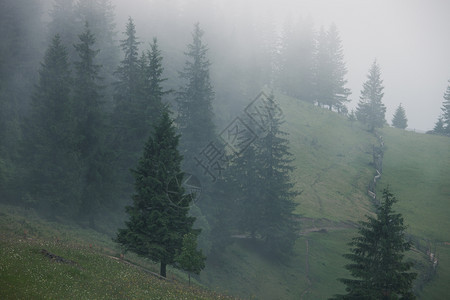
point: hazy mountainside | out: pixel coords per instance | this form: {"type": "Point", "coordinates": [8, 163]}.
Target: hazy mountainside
{"type": "Point", "coordinates": [417, 166]}
{"type": "Point", "coordinates": [333, 159]}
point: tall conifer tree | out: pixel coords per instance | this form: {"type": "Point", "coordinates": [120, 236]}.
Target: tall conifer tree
{"type": "Point", "coordinates": [265, 198]}
{"type": "Point", "coordinates": [377, 257]}
{"type": "Point", "coordinates": [446, 111]}
{"type": "Point", "coordinates": [297, 65]}
{"type": "Point", "coordinates": [439, 126]}
{"type": "Point", "coordinates": [276, 190]}
{"type": "Point", "coordinates": [90, 128]}
{"type": "Point", "coordinates": [153, 83]}
{"type": "Point", "coordinates": [338, 70]}
{"type": "Point", "coordinates": [50, 140]}
{"type": "Point", "coordinates": [371, 109]}
{"type": "Point", "coordinates": [400, 120]}
{"type": "Point", "coordinates": [21, 35]}
{"type": "Point", "coordinates": [245, 187]}
{"type": "Point", "coordinates": [63, 21]}
{"type": "Point", "coordinates": [87, 93]}
{"type": "Point", "coordinates": [330, 71]}
{"type": "Point", "coordinates": [101, 18]}
{"type": "Point", "coordinates": [128, 130]}
{"type": "Point", "coordinates": [138, 97]}
{"type": "Point", "coordinates": [195, 113]}
{"type": "Point", "coordinates": [158, 218]}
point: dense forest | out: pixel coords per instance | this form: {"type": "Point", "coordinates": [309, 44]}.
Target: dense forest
{"type": "Point", "coordinates": [75, 116]}
{"type": "Point", "coordinates": [87, 105]}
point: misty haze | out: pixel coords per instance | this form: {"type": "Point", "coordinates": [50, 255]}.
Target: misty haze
{"type": "Point", "coordinates": [224, 149]}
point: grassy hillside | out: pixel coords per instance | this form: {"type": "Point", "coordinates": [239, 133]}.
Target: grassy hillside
{"type": "Point", "coordinates": [43, 260]}
{"type": "Point", "coordinates": [417, 166]}
{"type": "Point", "coordinates": [332, 157]}
{"type": "Point", "coordinates": [332, 160]}
{"type": "Point", "coordinates": [333, 170]}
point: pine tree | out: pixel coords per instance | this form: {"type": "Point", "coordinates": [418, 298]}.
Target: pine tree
{"type": "Point", "coordinates": [246, 185]}
{"type": "Point", "coordinates": [21, 35]}
{"type": "Point", "coordinates": [352, 116]}
{"type": "Point", "coordinates": [330, 71]}
{"type": "Point", "coordinates": [439, 127]}
{"type": "Point", "coordinates": [50, 140]}
{"type": "Point", "coordinates": [101, 18]}
{"type": "Point", "coordinates": [129, 133]}
{"type": "Point", "coordinates": [158, 218]}
{"type": "Point", "coordinates": [377, 257]}
{"type": "Point", "coordinates": [195, 114]}
{"type": "Point", "coordinates": [338, 70]}
{"type": "Point", "coordinates": [196, 126]}
{"type": "Point", "coordinates": [265, 201]}
{"type": "Point", "coordinates": [152, 83]}
{"type": "Point", "coordinates": [259, 67]}
{"type": "Point", "coordinates": [277, 196]}
{"type": "Point", "coordinates": [190, 259]}
{"type": "Point", "coordinates": [322, 71]}
{"type": "Point", "coordinates": [90, 127]}
{"type": "Point", "coordinates": [370, 109]}
{"type": "Point", "coordinates": [87, 95]}
{"type": "Point", "coordinates": [400, 120]}
{"type": "Point", "coordinates": [297, 61]}
{"type": "Point", "coordinates": [67, 18]}
{"type": "Point", "coordinates": [446, 111]}
{"type": "Point", "coordinates": [127, 71]}
{"type": "Point", "coordinates": [63, 22]}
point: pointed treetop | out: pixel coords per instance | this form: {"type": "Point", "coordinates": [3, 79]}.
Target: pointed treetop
{"type": "Point", "coordinates": [400, 120]}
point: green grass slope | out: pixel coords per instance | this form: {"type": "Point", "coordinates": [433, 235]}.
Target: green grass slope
{"type": "Point", "coordinates": [333, 160]}
{"type": "Point", "coordinates": [89, 269]}
{"type": "Point", "coordinates": [332, 157]}
{"type": "Point", "coordinates": [417, 167]}
{"type": "Point", "coordinates": [333, 169]}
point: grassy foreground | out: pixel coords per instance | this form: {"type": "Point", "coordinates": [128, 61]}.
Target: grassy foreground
{"type": "Point", "coordinates": [89, 270]}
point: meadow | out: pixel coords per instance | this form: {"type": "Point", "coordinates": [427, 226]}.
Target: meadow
{"type": "Point", "coordinates": [333, 161]}
{"type": "Point", "coordinates": [83, 264]}
{"type": "Point", "coordinates": [334, 166]}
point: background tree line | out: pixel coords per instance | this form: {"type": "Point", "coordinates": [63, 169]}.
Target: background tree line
{"type": "Point", "coordinates": [93, 105]}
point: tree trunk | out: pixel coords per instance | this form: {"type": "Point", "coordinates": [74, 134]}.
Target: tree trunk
{"type": "Point", "coordinates": [162, 271]}
{"type": "Point", "coordinates": [189, 275]}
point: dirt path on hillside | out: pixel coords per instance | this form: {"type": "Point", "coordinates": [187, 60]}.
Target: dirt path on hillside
{"type": "Point", "coordinates": [308, 280]}
{"type": "Point", "coordinates": [323, 225]}
{"type": "Point", "coordinates": [138, 267]}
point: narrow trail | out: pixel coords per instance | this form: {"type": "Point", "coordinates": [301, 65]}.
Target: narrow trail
{"type": "Point", "coordinates": [377, 162]}
{"type": "Point", "coordinates": [310, 225]}
{"type": "Point", "coordinates": [378, 153]}
{"type": "Point", "coordinates": [306, 271]}
{"type": "Point", "coordinates": [138, 267]}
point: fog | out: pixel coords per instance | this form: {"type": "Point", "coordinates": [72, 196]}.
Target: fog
{"type": "Point", "coordinates": [116, 117]}
{"type": "Point", "coordinates": [409, 39]}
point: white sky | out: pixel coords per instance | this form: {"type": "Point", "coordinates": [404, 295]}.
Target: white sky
{"type": "Point", "coordinates": [411, 41]}
{"type": "Point", "coordinates": [409, 38]}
